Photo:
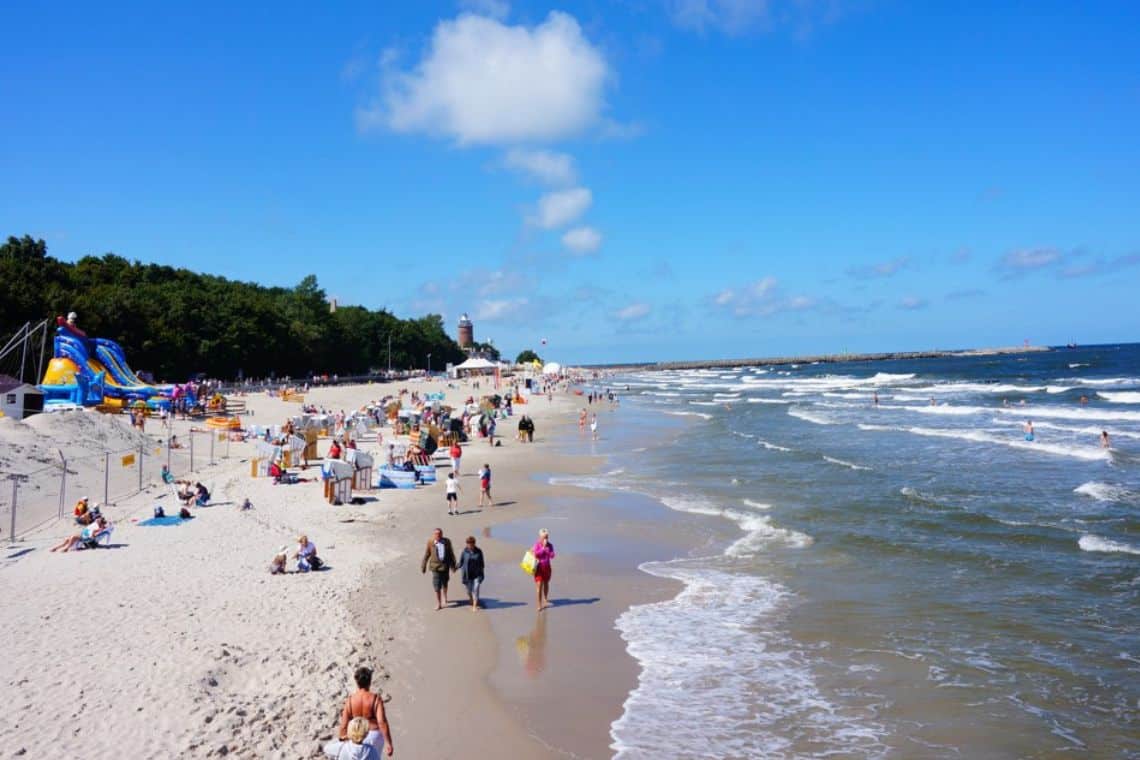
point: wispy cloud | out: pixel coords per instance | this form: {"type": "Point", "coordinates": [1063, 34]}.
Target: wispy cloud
{"type": "Point", "coordinates": [482, 81]}
{"type": "Point", "coordinates": [632, 312]}
{"type": "Point", "coordinates": [1025, 260]}
{"type": "Point", "coordinates": [562, 207]}
{"type": "Point", "coordinates": [880, 269]}
{"type": "Point", "coordinates": [762, 298]}
{"type": "Point", "coordinates": [498, 9]}
{"type": "Point", "coordinates": [1082, 265]}
{"type": "Point", "coordinates": [546, 166]}
{"type": "Point", "coordinates": [736, 17]}
{"type": "Point", "coordinates": [912, 303]}
{"type": "Point", "coordinates": [501, 309]}
{"type": "Point", "coordinates": [965, 295]}
{"type": "Point", "coordinates": [582, 240]}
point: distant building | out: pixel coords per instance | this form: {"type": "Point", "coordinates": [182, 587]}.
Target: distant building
{"type": "Point", "coordinates": [466, 332]}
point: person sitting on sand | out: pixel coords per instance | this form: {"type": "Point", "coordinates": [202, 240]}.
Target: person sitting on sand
{"type": "Point", "coordinates": [306, 555]}
{"type": "Point", "coordinates": [365, 710]}
{"type": "Point", "coordinates": [167, 476]}
{"type": "Point", "coordinates": [175, 443]}
{"type": "Point", "coordinates": [83, 515]}
{"type": "Point", "coordinates": [201, 495]}
{"type": "Point", "coordinates": [334, 450]}
{"type": "Point", "coordinates": [82, 536]}
{"type": "Point", "coordinates": [353, 746]}
{"type": "Point", "coordinates": [277, 566]}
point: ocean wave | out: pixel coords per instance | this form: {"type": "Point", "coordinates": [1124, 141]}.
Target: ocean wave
{"type": "Point", "coordinates": [1058, 388]}
{"type": "Point", "coordinates": [1101, 381]}
{"type": "Point", "coordinates": [809, 416]}
{"type": "Point", "coordinates": [1074, 365]}
{"type": "Point", "coordinates": [715, 655]}
{"type": "Point", "coordinates": [772, 446]}
{"type": "Point", "coordinates": [1076, 452]}
{"type": "Point", "coordinates": [781, 401]}
{"type": "Point", "coordinates": [1120, 397]}
{"type": "Point", "coordinates": [704, 403]}
{"type": "Point", "coordinates": [1089, 430]}
{"type": "Point", "coordinates": [1106, 492]}
{"type": "Point", "coordinates": [1091, 543]}
{"type": "Point", "coordinates": [844, 463]}
{"type": "Point", "coordinates": [702, 415]}
{"type": "Point", "coordinates": [758, 528]}
{"type": "Point", "coordinates": [756, 504]}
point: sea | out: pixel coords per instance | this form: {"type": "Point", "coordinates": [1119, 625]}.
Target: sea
{"type": "Point", "coordinates": [906, 578]}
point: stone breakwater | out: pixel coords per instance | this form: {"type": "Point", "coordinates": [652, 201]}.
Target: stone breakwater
{"type": "Point", "coordinates": [827, 358]}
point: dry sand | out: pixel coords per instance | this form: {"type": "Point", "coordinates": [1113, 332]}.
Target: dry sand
{"type": "Point", "coordinates": [177, 642]}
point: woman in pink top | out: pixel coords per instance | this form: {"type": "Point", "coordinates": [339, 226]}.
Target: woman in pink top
{"type": "Point", "coordinates": [543, 552]}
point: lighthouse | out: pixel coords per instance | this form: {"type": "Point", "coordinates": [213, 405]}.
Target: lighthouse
{"type": "Point", "coordinates": [466, 332]}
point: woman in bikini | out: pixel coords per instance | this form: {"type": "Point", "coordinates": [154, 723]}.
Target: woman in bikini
{"type": "Point", "coordinates": [362, 703]}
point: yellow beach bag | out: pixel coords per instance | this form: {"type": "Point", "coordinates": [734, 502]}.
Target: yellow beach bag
{"type": "Point", "coordinates": [529, 563]}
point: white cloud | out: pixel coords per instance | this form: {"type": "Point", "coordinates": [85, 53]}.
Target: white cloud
{"type": "Point", "coordinates": [499, 9]}
{"type": "Point", "coordinates": [546, 166]}
{"type": "Point", "coordinates": [912, 303]}
{"type": "Point", "coordinates": [582, 240]}
{"type": "Point", "coordinates": [741, 16]}
{"type": "Point", "coordinates": [500, 309]}
{"type": "Point", "coordinates": [762, 298]}
{"type": "Point", "coordinates": [879, 269]}
{"type": "Point", "coordinates": [633, 312]}
{"type": "Point", "coordinates": [1027, 260]}
{"type": "Point", "coordinates": [560, 208]}
{"type": "Point", "coordinates": [483, 81]}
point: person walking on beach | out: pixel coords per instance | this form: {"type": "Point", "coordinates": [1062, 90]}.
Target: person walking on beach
{"type": "Point", "coordinates": [453, 490]}
{"type": "Point", "coordinates": [456, 454]}
{"type": "Point", "coordinates": [471, 567]}
{"type": "Point", "coordinates": [594, 427]}
{"type": "Point", "coordinates": [439, 557]}
{"type": "Point", "coordinates": [543, 553]}
{"type": "Point", "coordinates": [363, 705]}
{"type": "Point", "coordinates": [485, 486]}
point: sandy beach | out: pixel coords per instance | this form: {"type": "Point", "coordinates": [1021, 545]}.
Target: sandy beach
{"type": "Point", "coordinates": [177, 642]}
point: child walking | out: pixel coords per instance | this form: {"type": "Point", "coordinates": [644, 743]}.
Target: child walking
{"type": "Point", "coordinates": [453, 490]}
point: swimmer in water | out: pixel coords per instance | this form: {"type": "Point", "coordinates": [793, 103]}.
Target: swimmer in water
{"type": "Point", "coordinates": [1104, 444]}
{"type": "Point", "coordinates": [1028, 430]}
{"type": "Point", "coordinates": [933, 402]}
{"type": "Point", "coordinates": [876, 398]}
{"type": "Point", "coordinates": [1084, 400]}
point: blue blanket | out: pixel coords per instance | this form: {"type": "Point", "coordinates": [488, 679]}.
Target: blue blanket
{"type": "Point", "coordinates": [168, 520]}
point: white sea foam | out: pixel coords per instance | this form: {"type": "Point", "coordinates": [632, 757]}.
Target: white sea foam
{"type": "Point", "coordinates": [768, 401]}
{"type": "Point", "coordinates": [1091, 543]}
{"type": "Point", "coordinates": [772, 446]}
{"type": "Point", "coordinates": [715, 655]}
{"type": "Point", "coordinates": [810, 416]}
{"type": "Point", "coordinates": [1106, 492]}
{"type": "Point", "coordinates": [705, 403]}
{"type": "Point", "coordinates": [844, 463]}
{"type": "Point", "coordinates": [978, 436]}
{"type": "Point", "coordinates": [675, 413]}
{"type": "Point", "coordinates": [1058, 388]}
{"type": "Point", "coordinates": [1074, 365]}
{"type": "Point", "coordinates": [1120, 397]}
{"type": "Point", "coordinates": [1101, 381]}
{"type": "Point", "coordinates": [756, 504]}
{"type": "Point", "coordinates": [759, 530]}
{"type": "Point", "coordinates": [1089, 430]}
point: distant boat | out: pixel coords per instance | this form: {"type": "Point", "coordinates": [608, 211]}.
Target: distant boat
{"type": "Point", "coordinates": [1070, 344]}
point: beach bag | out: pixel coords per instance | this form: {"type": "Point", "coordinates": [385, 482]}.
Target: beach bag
{"type": "Point", "coordinates": [529, 564]}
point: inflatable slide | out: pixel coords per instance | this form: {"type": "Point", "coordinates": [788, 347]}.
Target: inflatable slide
{"type": "Point", "coordinates": [89, 371]}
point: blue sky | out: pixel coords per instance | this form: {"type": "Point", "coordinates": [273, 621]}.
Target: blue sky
{"type": "Point", "coordinates": [636, 180]}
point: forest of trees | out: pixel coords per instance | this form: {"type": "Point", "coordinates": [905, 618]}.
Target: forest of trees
{"type": "Point", "coordinates": [175, 323]}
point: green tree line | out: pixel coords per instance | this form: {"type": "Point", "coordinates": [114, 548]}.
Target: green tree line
{"type": "Point", "coordinates": [175, 323]}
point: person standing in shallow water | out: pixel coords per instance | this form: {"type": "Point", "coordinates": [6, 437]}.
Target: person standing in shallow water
{"type": "Point", "coordinates": [1029, 436]}
{"type": "Point", "coordinates": [1104, 442]}
{"type": "Point", "coordinates": [543, 554]}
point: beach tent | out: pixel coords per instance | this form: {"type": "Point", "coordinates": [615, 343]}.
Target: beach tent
{"type": "Point", "coordinates": [552, 368]}
{"type": "Point", "coordinates": [475, 366]}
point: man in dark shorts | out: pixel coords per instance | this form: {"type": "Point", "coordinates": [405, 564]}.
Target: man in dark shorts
{"type": "Point", "coordinates": [439, 557]}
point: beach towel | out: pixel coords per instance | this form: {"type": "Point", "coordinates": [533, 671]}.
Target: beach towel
{"type": "Point", "coordinates": [167, 520]}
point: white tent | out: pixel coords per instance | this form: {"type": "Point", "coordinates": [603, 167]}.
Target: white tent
{"type": "Point", "coordinates": [552, 368]}
{"type": "Point", "coordinates": [474, 366]}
